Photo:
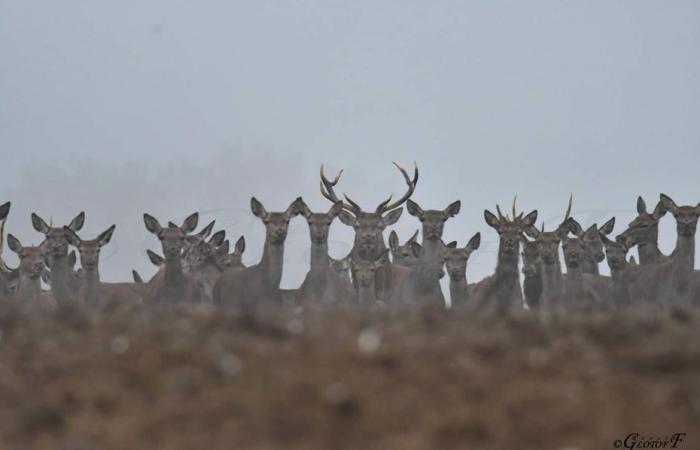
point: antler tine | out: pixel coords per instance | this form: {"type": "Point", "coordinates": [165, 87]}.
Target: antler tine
{"type": "Point", "coordinates": [327, 191]}
{"type": "Point", "coordinates": [498, 209]}
{"type": "Point", "coordinates": [415, 235]}
{"type": "Point", "coordinates": [514, 213]}
{"type": "Point", "coordinates": [386, 205]}
{"type": "Point", "coordinates": [568, 208]}
{"type": "Point", "coordinates": [352, 203]}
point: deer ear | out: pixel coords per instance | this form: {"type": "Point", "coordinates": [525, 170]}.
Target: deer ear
{"type": "Point", "coordinates": [240, 245]}
{"type": "Point", "coordinates": [414, 209]}
{"type": "Point", "coordinates": [335, 210]}
{"type": "Point", "coordinates": [453, 209]}
{"type": "Point", "coordinates": [303, 208]}
{"type": "Point", "coordinates": [218, 238]}
{"type": "Point", "coordinates": [137, 278]}
{"type": "Point", "coordinates": [152, 224]}
{"type": "Point", "coordinates": [393, 241]}
{"type": "Point", "coordinates": [257, 208]}
{"type": "Point", "coordinates": [222, 250]}
{"type": "Point", "coordinates": [347, 218]}
{"type": "Point", "coordinates": [529, 220]}
{"type": "Point", "coordinates": [573, 226]}
{"type": "Point", "coordinates": [668, 204]}
{"type": "Point", "coordinates": [39, 224]}
{"type": "Point", "coordinates": [659, 211]}
{"type": "Point", "coordinates": [591, 232]}
{"type": "Point", "coordinates": [533, 232]}
{"type": "Point", "coordinates": [4, 210]}
{"type": "Point", "coordinates": [190, 223]}
{"type": "Point", "coordinates": [491, 220]}
{"type": "Point", "coordinates": [392, 217]}
{"type": "Point", "coordinates": [72, 259]}
{"type": "Point", "coordinates": [156, 259]}
{"type": "Point", "coordinates": [295, 208]}
{"type": "Point", "coordinates": [14, 244]}
{"type": "Point", "coordinates": [206, 231]}
{"type": "Point", "coordinates": [474, 243]}
{"type": "Point", "coordinates": [416, 249]}
{"type": "Point", "coordinates": [607, 227]}
{"type": "Point", "coordinates": [46, 276]}
{"type": "Point", "coordinates": [641, 206]}
{"type": "Point", "coordinates": [71, 237]}
{"type": "Point", "coordinates": [604, 238]}
{"type": "Point", "coordinates": [106, 236]}
{"type": "Point", "coordinates": [77, 223]}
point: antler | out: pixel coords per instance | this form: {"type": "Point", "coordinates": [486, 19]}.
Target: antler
{"type": "Point", "coordinates": [328, 192]}
{"type": "Point", "coordinates": [386, 205]}
{"type": "Point", "coordinates": [568, 208]}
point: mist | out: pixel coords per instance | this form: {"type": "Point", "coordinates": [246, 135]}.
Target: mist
{"type": "Point", "coordinates": [175, 107]}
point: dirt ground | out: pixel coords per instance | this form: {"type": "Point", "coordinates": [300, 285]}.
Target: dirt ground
{"type": "Point", "coordinates": [200, 378]}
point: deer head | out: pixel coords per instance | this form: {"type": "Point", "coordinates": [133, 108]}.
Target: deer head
{"type": "Point", "coordinates": [594, 243]}
{"type": "Point", "coordinates": [200, 250]}
{"type": "Point", "coordinates": [56, 243]}
{"type": "Point", "coordinates": [686, 216]}
{"type": "Point", "coordinates": [616, 252]}
{"type": "Point", "coordinates": [510, 230]}
{"type": "Point", "coordinates": [173, 239]}
{"type": "Point", "coordinates": [319, 223]}
{"type": "Point", "coordinates": [433, 220]}
{"type": "Point", "coordinates": [456, 258]}
{"type": "Point", "coordinates": [89, 249]}
{"type": "Point", "coordinates": [276, 223]}
{"type": "Point", "coordinates": [234, 259]}
{"type": "Point", "coordinates": [31, 259]}
{"type": "Point", "coordinates": [575, 251]}
{"type": "Point", "coordinates": [364, 270]}
{"type": "Point", "coordinates": [644, 229]}
{"type": "Point", "coordinates": [547, 242]}
{"type": "Point", "coordinates": [531, 258]}
{"type": "Point", "coordinates": [403, 255]}
{"type": "Point", "coordinates": [369, 226]}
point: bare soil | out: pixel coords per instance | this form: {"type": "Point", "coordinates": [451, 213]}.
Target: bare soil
{"type": "Point", "coordinates": [201, 378]}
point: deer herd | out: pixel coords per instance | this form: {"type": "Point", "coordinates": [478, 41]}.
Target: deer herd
{"type": "Point", "coordinates": [201, 267]}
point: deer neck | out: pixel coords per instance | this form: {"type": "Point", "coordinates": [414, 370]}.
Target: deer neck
{"type": "Point", "coordinates": [551, 279]}
{"type": "Point", "coordinates": [507, 266]}
{"type": "Point", "coordinates": [174, 274]}
{"type": "Point", "coordinates": [458, 290]}
{"type": "Point", "coordinates": [271, 263]}
{"type": "Point", "coordinates": [425, 271]}
{"type": "Point", "coordinates": [91, 286]}
{"type": "Point", "coordinates": [574, 282]}
{"type": "Point", "coordinates": [591, 267]}
{"type": "Point", "coordinates": [29, 288]}
{"type": "Point", "coordinates": [366, 295]}
{"type": "Point", "coordinates": [319, 257]}
{"type": "Point", "coordinates": [683, 261]}
{"type": "Point", "coordinates": [59, 277]}
{"type": "Point", "coordinates": [649, 252]}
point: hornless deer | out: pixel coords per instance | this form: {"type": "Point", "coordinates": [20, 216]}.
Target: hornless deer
{"type": "Point", "coordinates": [456, 264]}
{"type": "Point", "coordinates": [93, 291]}
{"type": "Point", "coordinates": [422, 285]}
{"type": "Point", "coordinates": [64, 285]}
{"type": "Point", "coordinates": [547, 243]}
{"type": "Point", "coordinates": [369, 227]}
{"type": "Point", "coordinates": [580, 289]}
{"type": "Point", "coordinates": [403, 255]}
{"type": "Point", "coordinates": [621, 272]}
{"type": "Point", "coordinates": [365, 277]}
{"type": "Point", "coordinates": [594, 245]}
{"type": "Point", "coordinates": [31, 265]}
{"type": "Point", "coordinates": [322, 285]}
{"type": "Point", "coordinates": [4, 270]}
{"type": "Point", "coordinates": [201, 260]}
{"type": "Point", "coordinates": [679, 289]}
{"type": "Point", "coordinates": [175, 285]}
{"type": "Point", "coordinates": [501, 291]}
{"type": "Point", "coordinates": [259, 284]}
{"type": "Point", "coordinates": [233, 260]}
{"type": "Point", "coordinates": [643, 232]}
{"type": "Point", "coordinates": [532, 273]}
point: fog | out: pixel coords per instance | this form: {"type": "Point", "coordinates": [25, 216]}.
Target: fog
{"type": "Point", "coordinates": [173, 107]}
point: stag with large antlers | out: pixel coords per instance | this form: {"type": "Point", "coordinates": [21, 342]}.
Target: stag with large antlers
{"type": "Point", "coordinates": [369, 227]}
{"type": "Point", "coordinates": [501, 291]}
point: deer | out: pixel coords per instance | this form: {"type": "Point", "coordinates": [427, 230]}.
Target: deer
{"type": "Point", "coordinates": [233, 260]}
{"type": "Point", "coordinates": [259, 284]}
{"type": "Point", "coordinates": [622, 272]}
{"type": "Point", "coordinates": [594, 244]}
{"type": "Point", "coordinates": [501, 291]}
{"type": "Point", "coordinates": [31, 265]}
{"type": "Point", "coordinates": [365, 276]}
{"type": "Point", "coordinates": [422, 285]}
{"type": "Point", "coordinates": [64, 284]}
{"type": "Point", "coordinates": [679, 286]}
{"type": "Point", "coordinates": [532, 273]}
{"type": "Point", "coordinates": [456, 260]}
{"type": "Point", "coordinates": [93, 292]}
{"type": "Point", "coordinates": [201, 260]}
{"type": "Point", "coordinates": [369, 227]}
{"type": "Point", "coordinates": [402, 254]}
{"type": "Point", "coordinates": [547, 244]}
{"type": "Point", "coordinates": [4, 270]}
{"type": "Point", "coordinates": [322, 285]}
{"type": "Point", "coordinates": [580, 289]}
{"type": "Point", "coordinates": [643, 232]}
{"type": "Point", "coordinates": [175, 286]}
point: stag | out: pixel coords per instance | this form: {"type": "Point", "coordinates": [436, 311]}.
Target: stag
{"type": "Point", "coordinates": [501, 291]}
{"type": "Point", "coordinates": [259, 283]}
{"type": "Point", "coordinates": [175, 285]}
{"type": "Point", "coordinates": [403, 254]}
{"type": "Point", "coordinates": [422, 285]}
{"type": "Point", "coordinates": [369, 228]}
{"type": "Point", "coordinates": [456, 264]}
{"type": "Point", "coordinates": [322, 285]}
{"type": "Point", "coordinates": [64, 284]}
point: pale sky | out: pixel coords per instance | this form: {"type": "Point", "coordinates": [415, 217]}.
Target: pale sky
{"type": "Point", "coordinates": [168, 107]}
